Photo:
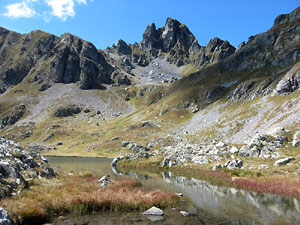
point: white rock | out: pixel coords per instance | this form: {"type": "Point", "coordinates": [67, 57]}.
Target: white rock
{"type": "Point", "coordinates": [221, 144]}
{"type": "Point", "coordinates": [283, 161]}
{"type": "Point", "coordinates": [234, 150]}
{"type": "Point", "coordinates": [154, 211]}
{"type": "Point", "coordinates": [184, 213]}
{"type": "Point", "coordinates": [296, 139]}
{"type": "Point", "coordinates": [262, 167]}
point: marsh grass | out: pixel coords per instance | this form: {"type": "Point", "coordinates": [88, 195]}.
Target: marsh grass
{"type": "Point", "coordinates": [81, 195]}
{"type": "Point", "coordinates": [274, 185]}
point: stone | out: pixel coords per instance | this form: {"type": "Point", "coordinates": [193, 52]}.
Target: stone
{"type": "Point", "coordinates": [184, 213]}
{"type": "Point", "coordinates": [154, 211]}
{"type": "Point", "coordinates": [221, 144]}
{"type": "Point", "coordinates": [165, 161]}
{"type": "Point", "coordinates": [217, 167]}
{"type": "Point", "coordinates": [262, 167]}
{"type": "Point", "coordinates": [285, 161]}
{"type": "Point", "coordinates": [234, 150]}
{"type": "Point", "coordinates": [296, 139]}
{"type": "Point", "coordinates": [244, 151]}
{"type": "Point", "coordinates": [201, 160]}
{"type": "Point", "coordinates": [116, 160]}
{"type": "Point", "coordinates": [125, 143]}
{"type": "Point", "coordinates": [233, 164]}
{"type": "Point", "coordinates": [4, 217]}
{"type": "Point", "coordinates": [180, 195]}
{"type": "Point", "coordinates": [172, 163]}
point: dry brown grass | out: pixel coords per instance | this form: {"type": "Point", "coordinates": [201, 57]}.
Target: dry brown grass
{"type": "Point", "coordinates": [80, 195]}
{"type": "Point", "coordinates": [274, 185]}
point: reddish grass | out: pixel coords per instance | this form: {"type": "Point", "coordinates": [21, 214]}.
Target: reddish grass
{"type": "Point", "coordinates": [81, 195]}
{"type": "Point", "coordinates": [278, 186]}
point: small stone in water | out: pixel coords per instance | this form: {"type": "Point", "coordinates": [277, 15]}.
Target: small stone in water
{"type": "Point", "coordinates": [154, 211]}
{"type": "Point", "coordinates": [184, 213]}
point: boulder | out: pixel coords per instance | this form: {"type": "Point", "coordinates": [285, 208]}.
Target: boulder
{"type": "Point", "coordinates": [285, 161]}
{"type": "Point", "coordinates": [217, 167]}
{"type": "Point", "coordinates": [4, 217]}
{"type": "Point", "coordinates": [125, 143]}
{"type": "Point", "coordinates": [234, 150]}
{"type": "Point", "coordinates": [154, 211]}
{"type": "Point", "coordinates": [296, 139]}
{"type": "Point", "coordinates": [184, 213]}
{"type": "Point", "coordinates": [201, 160]}
{"type": "Point", "coordinates": [221, 144]}
{"type": "Point", "coordinates": [233, 164]}
{"type": "Point", "coordinates": [116, 160]}
{"type": "Point", "coordinates": [166, 161]}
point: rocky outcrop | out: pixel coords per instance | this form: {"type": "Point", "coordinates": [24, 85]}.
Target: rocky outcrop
{"type": "Point", "coordinates": [261, 145]}
{"type": "Point", "coordinates": [18, 166]}
{"type": "Point", "coordinates": [13, 116]}
{"type": "Point", "coordinates": [290, 82]}
{"type": "Point", "coordinates": [219, 49]}
{"type": "Point", "coordinates": [123, 48]}
{"type": "Point", "coordinates": [65, 111]}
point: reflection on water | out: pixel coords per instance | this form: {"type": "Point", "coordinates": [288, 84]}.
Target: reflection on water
{"type": "Point", "coordinates": [209, 204]}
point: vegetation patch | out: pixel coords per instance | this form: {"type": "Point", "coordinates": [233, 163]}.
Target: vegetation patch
{"type": "Point", "coordinates": [275, 185]}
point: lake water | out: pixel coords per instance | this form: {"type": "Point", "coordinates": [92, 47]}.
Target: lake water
{"type": "Point", "coordinates": [207, 203]}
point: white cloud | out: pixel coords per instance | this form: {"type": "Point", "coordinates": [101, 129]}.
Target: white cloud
{"type": "Point", "coordinates": [19, 10]}
{"type": "Point", "coordinates": [63, 8]}
{"type": "Point", "coordinates": [47, 9]}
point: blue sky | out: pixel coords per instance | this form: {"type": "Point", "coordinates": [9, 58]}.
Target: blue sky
{"type": "Point", "coordinates": [105, 22]}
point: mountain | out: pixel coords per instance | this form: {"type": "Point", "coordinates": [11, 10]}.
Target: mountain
{"type": "Point", "coordinates": [166, 91]}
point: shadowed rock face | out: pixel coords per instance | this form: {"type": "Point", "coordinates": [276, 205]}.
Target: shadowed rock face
{"type": "Point", "coordinates": [47, 58]}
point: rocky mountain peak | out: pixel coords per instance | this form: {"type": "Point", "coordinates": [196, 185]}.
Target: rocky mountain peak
{"type": "Point", "coordinates": [221, 49]}
{"type": "Point", "coordinates": [150, 38]}
{"type": "Point", "coordinates": [284, 18]}
{"type": "Point", "coordinates": [173, 35]}
{"type": "Point", "coordinates": [123, 48]}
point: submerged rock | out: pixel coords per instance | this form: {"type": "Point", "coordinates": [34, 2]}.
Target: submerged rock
{"type": "Point", "coordinates": [154, 211]}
